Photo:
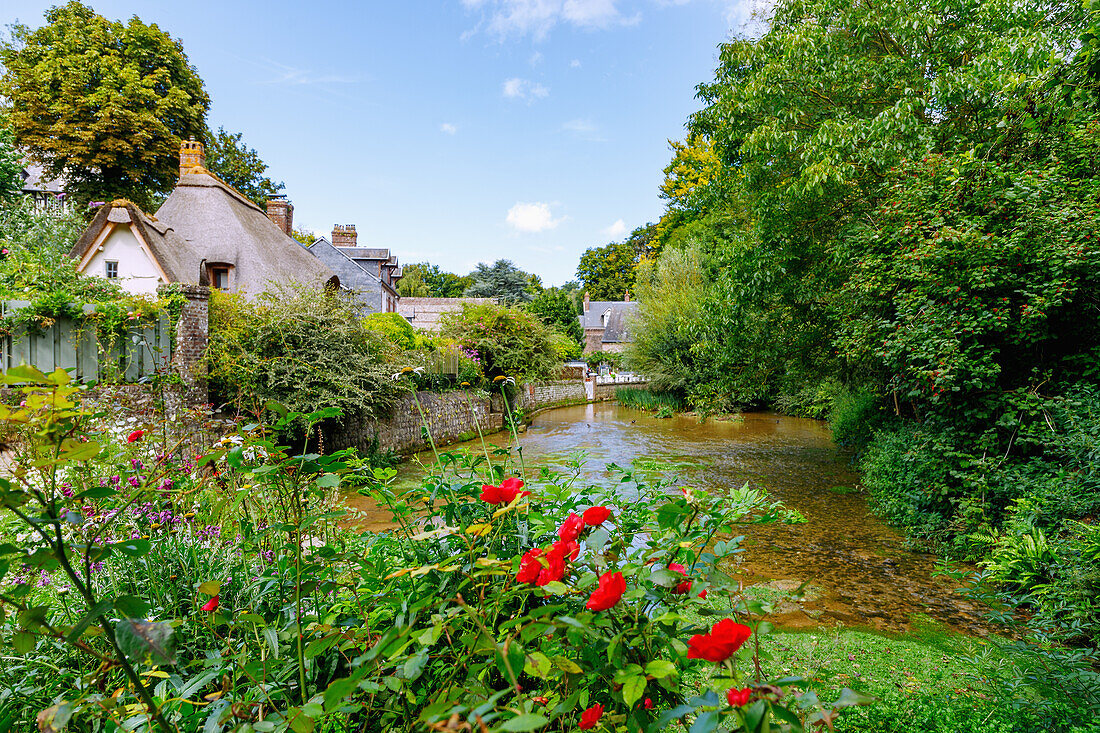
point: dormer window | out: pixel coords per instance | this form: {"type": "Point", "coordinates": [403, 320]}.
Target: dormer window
{"type": "Point", "coordinates": [110, 269]}
{"type": "Point", "coordinates": [220, 276]}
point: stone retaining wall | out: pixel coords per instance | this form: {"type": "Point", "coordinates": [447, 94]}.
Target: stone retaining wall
{"type": "Point", "coordinates": [448, 416]}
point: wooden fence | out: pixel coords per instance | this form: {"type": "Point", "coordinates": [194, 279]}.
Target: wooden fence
{"type": "Point", "coordinates": [75, 345]}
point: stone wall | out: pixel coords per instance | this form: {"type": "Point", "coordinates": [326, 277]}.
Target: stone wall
{"type": "Point", "coordinates": [192, 337]}
{"type": "Point", "coordinates": [542, 395]}
{"type": "Point", "coordinates": [448, 417]}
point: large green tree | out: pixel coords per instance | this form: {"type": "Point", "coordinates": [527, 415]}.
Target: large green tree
{"type": "Point", "coordinates": [229, 158]}
{"type": "Point", "coordinates": [102, 103]}
{"type": "Point", "coordinates": [608, 272]}
{"type": "Point", "coordinates": [501, 280]}
{"type": "Point", "coordinates": [557, 308]}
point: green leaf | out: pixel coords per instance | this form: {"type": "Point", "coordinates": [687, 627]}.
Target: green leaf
{"type": "Point", "coordinates": [633, 688]}
{"type": "Point", "coordinates": [74, 450]}
{"type": "Point", "coordinates": [210, 587]}
{"type": "Point", "coordinates": [24, 373]}
{"type": "Point", "coordinates": [538, 665]}
{"type": "Point", "coordinates": [132, 548]}
{"type": "Point", "coordinates": [23, 642]}
{"type": "Point", "coordinates": [140, 640]}
{"type": "Point", "coordinates": [299, 721]}
{"type": "Point", "coordinates": [131, 606]}
{"type": "Point", "coordinates": [328, 481]}
{"type": "Point", "coordinates": [660, 668]}
{"type": "Point", "coordinates": [705, 722]}
{"type": "Point", "coordinates": [849, 698]}
{"type": "Point", "coordinates": [235, 457]}
{"type": "Point", "coordinates": [527, 721]}
{"type": "Point", "coordinates": [98, 610]}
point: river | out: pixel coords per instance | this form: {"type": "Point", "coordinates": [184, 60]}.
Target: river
{"type": "Point", "coordinates": [858, 568]}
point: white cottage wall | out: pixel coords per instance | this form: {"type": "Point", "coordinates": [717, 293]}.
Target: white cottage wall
{"type": "Point", "coordinates": [137, 273]}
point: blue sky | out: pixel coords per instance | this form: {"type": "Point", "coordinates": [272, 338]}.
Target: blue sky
{"type": "Point", "coordinates": [456, 131]}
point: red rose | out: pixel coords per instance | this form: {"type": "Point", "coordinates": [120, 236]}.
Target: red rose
{"type": "Point", "coordinates": [571, 528]}
{"type": "Point", "coordinates": [724, 639]}
{"type": "Point", "coordinates": [611, 589]}
{"type": "Point", "coordinates": [590, 717]}
{"type": "Point", "coordinates": [648, 704]}
{"type": "Point", "coordinates": [508, 490]}
{"type": "Point", "coordinates": [554, 570]}
{"type": "Point", "coordinates": [682, 587]}
{"type": "Point", "coordinates": [566, 549]}
{"type": "Point", "coordinates": [211, 605]}
{"type": "Point", "coordinates": [737, 698]}
{"type": "Point", "coordinates": [135, 436]}
{"type": "Point", "coordinates": [529, 566]}
{"type": "Point", "coordinates": [596, 515]}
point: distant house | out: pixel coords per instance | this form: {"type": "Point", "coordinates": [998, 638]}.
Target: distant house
{"type": "Point", "coordinates": [206, 232]}
{"type": "Point", "coordinates": [47, 194]}
{"type": "Point", "coordinates": [425, 313]}
{"type": "Point", "coordinates": [371, 273]}
{"type": "Point", "coordinates": [605, 324]}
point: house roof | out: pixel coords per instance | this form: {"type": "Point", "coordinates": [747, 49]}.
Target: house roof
{"type": "Point", "coordinates": [593, 317]}
{"type": "Point", "coordinates": [347, 261]}
{"type": "Point", "coordinates": [170, 252]}
{"type": "Point", "coordinates": [426, 312]}
{"type": "Point", "coordinates": [219, 224]}
{"type": "Point", "coordinates": [616, 329]}
{"type": "Point", "coordinates": [34, 179]}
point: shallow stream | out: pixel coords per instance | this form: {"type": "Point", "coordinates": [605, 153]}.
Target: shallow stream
{"type": "Point", "coordinates": [857, 567]}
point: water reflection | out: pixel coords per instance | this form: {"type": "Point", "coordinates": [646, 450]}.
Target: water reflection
{"type": "Point", "coordinates": [860, 567]}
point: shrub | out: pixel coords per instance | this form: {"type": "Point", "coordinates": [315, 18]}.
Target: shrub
{"type": "Point", "coordinates": [854, 417]}
{"type": "Point", "coordinates": [302, 348]}
{"type": "Point", "coordinates": [394, 328]}
{"type": "Point", "coordinates": [509, 341]}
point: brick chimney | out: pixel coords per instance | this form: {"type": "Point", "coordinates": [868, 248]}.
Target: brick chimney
{"type": "Point", "coordinates": [343, 235]}
{"type": "Point", "coordinates": [586, 301]}
{"type": "Point", "coordinates": [281, 211]}
{"type": "Point", "coordinates": [192, 157]}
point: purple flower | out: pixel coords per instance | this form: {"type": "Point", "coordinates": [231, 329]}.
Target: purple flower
{"type": "Point", "coordinates": [67, 490]}
{"type": "Point", "coordinates": [135, 481]}
{"type": "Point", "coordinates": [135, 464]}
{"type": "Point", "coordinates": [115, 479]}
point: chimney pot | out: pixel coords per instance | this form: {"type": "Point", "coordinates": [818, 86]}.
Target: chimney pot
{"type": "Point", "coordinates": [586, 301]}
{"type": "Point", "coordinates": [281, 212]}
{"type": "Point", "coordinates": [344, 235]}
{"type": "Point", "coordinates": [192, 157]}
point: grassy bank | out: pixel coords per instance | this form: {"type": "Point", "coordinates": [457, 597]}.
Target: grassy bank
{"type": "Point", "coordinates": [644, 399]}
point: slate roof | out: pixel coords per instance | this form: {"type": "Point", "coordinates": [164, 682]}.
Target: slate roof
{"type": "Point", "coordinates": [615, 330]}
{"type": "Point", "coordinates": [170, 251]}
{"type": "Point", "coordinates": [426, 312]}
{"type": "Point", "coordinates": [220, 225]}
{"type": "Point", "coordinates": [34, 180]}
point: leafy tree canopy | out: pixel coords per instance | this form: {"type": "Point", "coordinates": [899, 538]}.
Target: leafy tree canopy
{"type": "Point", "coordinates": [608, 272]}
{"type": "Point", "coordinates": [10, 168]}
{"type": "Point", "coordinates": [557, 308]}
{"type": "Point", "coordinates": [440, 284]}
{"type": "Point", "coordinates": [501, 280]}
{"type": "Point", "coordinates": [509, 342]}
{"type": "Point", "coordinates": [103, 103]}
{"type": "Point", "coordinates": [229, 158]}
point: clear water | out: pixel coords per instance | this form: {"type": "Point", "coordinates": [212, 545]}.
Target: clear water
{"type": "Point", "coordinates": [859, 568]}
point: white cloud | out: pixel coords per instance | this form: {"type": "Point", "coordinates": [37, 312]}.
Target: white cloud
{"type": "Point", "coordinates": [536, 58]}
{"type": "Point", "coordinates": [537, 17]}
{"type": "Point", "coordinates": [583, 129]}
{"type": "Point", "coordinates": [575, 64]}
{"type": "Point", "coordinates": [532, 218]}
{"type": "Point", "coordinates": [525, 89]}
{"type": "Point", "coordinates": [616, 230]}
{"type": "Point", "coordinates": [448, 128]}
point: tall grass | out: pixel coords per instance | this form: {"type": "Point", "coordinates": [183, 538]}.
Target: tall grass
{"type": "Point", "coordinates": [644, 399]}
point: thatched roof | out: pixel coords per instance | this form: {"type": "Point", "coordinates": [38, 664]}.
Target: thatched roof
{"type": "Point", "coordinates": [170, 252]}
{"type": "Point", "coordinates": [220, 225]}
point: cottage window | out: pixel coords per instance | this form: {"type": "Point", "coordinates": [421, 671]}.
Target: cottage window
{"type": "Point", "coordinates": [219, 277]}
{"type": "Point", "coordinates": [111, 270]}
